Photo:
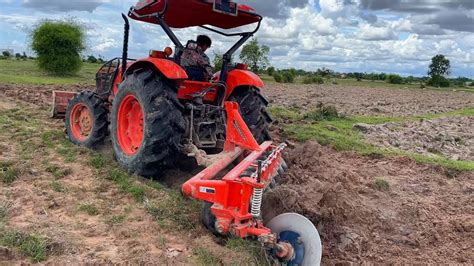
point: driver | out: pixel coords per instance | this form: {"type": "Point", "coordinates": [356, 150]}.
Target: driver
{"type": "Point", "coordinates": [196, 62]}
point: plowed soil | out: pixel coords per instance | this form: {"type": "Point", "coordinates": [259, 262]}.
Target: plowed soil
{"type": "Point", "coordinates": [452, 137]}
{"type": "Point", "coordinates": [368, 101]}
{"type": "Point", "coordinates": [422, 214]}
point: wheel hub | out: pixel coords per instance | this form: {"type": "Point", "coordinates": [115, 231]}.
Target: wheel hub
{"type": "Point", "coordinates": [81, 121]}
{"type": "Point", "coordinates": [297, 231]}
{"type": "Point", "coordinates": [130, 125]}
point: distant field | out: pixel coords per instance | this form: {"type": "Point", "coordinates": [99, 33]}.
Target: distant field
{"type": "Point", "coordinates": [366, 83]}
{"type": "Point", "coordinates": [27, 72]}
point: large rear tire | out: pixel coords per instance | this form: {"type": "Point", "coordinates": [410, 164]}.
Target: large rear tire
{"type": "Point", "coordinates": [86, 120]}
{"type": "Point", "coordinates": [253, 108]}
{"type": "Point", "coordinates": [146, 124]}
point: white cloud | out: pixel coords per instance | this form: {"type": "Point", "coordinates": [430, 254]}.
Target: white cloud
{"type": "Point", "coordinates": [368, 32]}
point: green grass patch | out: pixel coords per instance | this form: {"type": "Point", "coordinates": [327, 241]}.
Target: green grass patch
{"type": "Point", "coordinates": [283, 113]}
{"type": "Point", "coordinates": [116, 219]}
{"type": "Point", "coordinates": [173, 211]}
{"type": "Point", "coordinates": [31, 246]}
{"type": "Point", "coordinates": [9, 174]}
{"type": "Point", "coordinates": [126, 183]}
{"type": "Point", "coordinates": [97, 161]}
{"type": "Point", "coordinates": [381, 184]}
{"type": "Point", "coordinates": [27, 72]}
{"type": "Point", "coordinates": [4, 210]}
{"type": "Point", "coordinates": [58, 171]}
{"type": "Point", "coordinates": [205, 257]}
{"type": "Point", "coordinates": [89, 209]}
{"type": "Point", "coordinates": [56, 186]}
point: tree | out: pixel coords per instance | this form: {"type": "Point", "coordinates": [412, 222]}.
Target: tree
{"type": "Point", "coordinates": [91, 59]}
{"type": "Point", "coordinates": [394, 79]}
{"type": "Point", "coordinates": [270, 71]}
{"type": "Point", "coordinates": [58, 45]}
{"type": "Point", "coordinates": [17, 55]}
{"type": "Point", "coordinates": [438, 70]}
{"type": "Point", "coordinates": [254, 55]}
{"type": "Point", "coordinates": [217, 62]}
{"type": "Point", "coordinates": [6, 53]}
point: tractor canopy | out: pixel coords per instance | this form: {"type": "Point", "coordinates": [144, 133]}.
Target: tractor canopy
{"type": "Point", "coordinates": [223, 14]}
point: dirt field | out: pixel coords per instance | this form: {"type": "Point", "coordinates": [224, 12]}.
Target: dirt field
{"type": "Point", "coordinates": [452, 137]}
{"type": "Point", "coordinates": [369, 210]}
{"type": "Point", "coordinates": [367, 101]}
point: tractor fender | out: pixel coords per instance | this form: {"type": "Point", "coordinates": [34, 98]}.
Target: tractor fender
{"type": "Point", "coordinates": [168, 68]}
{"type": "Point", "coordinates": [238, 78]}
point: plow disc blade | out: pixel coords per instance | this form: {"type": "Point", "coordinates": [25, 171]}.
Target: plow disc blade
{"type": "Point", "coordinates": [303, 236]}
{"type": "Point", "coordinates": [60, 101]}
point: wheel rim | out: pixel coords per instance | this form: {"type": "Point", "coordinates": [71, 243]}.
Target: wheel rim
{"type": "Point", "coordinates": [130, 125]}
{"type": "Point", "coordinates": [81, 121]}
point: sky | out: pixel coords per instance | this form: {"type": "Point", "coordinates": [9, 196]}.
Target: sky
{"type": "Point", "coordinates": [390, 36]}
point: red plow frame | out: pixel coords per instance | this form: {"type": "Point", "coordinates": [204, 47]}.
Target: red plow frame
{"type": "Point", "coordinates": [237, 197]}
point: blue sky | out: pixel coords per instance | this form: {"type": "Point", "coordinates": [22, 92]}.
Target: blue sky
{"type": "Point", "coordinates": [391, 36]}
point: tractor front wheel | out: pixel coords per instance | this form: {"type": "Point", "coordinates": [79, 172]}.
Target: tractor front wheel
{"type": "Point", "coordinates": [86, 119]}
{"type": "Point", "coordinates": [146, 124]}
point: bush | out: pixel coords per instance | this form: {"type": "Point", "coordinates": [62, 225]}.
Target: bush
{"type": "Point", "coordinates": [270, 71]}
{"type": "Point", "coordinates": [6, 54]}
{"type": "Point", "coordinates": [322, 112]}
{"type": "Point", "coordinates": [394, 79]}
{"type": "Point", "coordinates": [58, 45]}
{"type": "Point", "coordinates": [313, 79]}
{"type": "Point", "coordinates": [278, 77]}
{"type": "Point", "coordinates": [438, 81]}
{"type": "Point", "coordinates": [91, 59]}
{"type": "Point", "coordinates": [288, 77]}
{"type": "Point", "coordinates": [284, 76]}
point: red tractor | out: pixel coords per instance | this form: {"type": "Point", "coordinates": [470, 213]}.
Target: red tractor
{"type": "Point", "coordinates": [155, 115]}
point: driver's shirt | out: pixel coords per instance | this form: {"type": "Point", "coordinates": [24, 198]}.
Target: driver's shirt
{"type": "Point", "coordinates": [196, 57]}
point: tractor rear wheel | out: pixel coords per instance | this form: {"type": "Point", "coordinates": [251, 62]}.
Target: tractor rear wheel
{"type": "Point", "coordinates": [253, 108]}
{"type": "Point", "coordinates": [86, 119]}
{"type": "Point", "coordinates": [146, 124]}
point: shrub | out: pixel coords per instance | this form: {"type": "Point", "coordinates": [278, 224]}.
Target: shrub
{"type": "Point", "coordinates": [58, 45]}
{"type": "Point", "coordinates": [381, 184]}
{"type": "Point", "coordinates": [313, 79]}
{"type": "Point", "coordinates": [288, 77]}
{"type": "Point", "coordinates": [278, 77]}
{"type": "Point", "coordinates": [322, 112]}
{"type": "Point", "coordinates": [91, 59]}
{"type": "Point", "coordinates": [6, 54]}
{"type": "Point", "coordinates": [394, 79]}
{"type": "Point", "coordinates": [270, 71]}
{"type": "Point", "coordinates": [438, 81]}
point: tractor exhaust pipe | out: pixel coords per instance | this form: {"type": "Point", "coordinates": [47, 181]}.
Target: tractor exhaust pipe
{"type": "Point", "coordinates": [125, 45]}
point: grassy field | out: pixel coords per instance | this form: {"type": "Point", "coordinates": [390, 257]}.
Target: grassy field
{"type": "Point", "coordinates": [27, 72]}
